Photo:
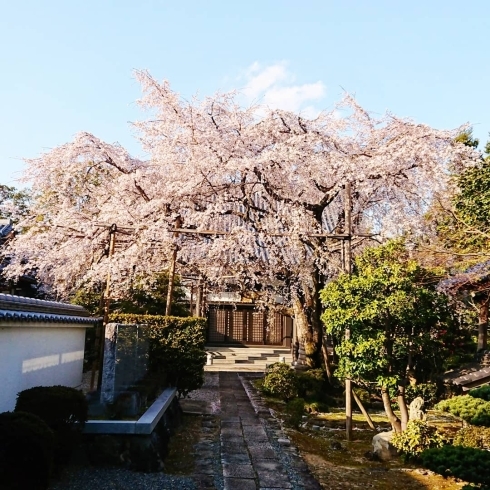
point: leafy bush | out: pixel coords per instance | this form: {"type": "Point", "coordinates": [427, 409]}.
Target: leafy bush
{"type": "Point", "coordinates": [312, 383]}
{"type": "Point", "coordinates": [426, 391]}
{"type": "Point", "coordinates": [26, 451]}
{"type": "Point", "coordinates": [59, 406]}
{"type": "Point", "coordinates": [476, 411]}
{"type": "Point", "coordinates": [417, 437]}
{"type": "Point", "coordinates": [482, 392]}
{"type": "Point", "coordinates": [294, 412]}
{"type": "Point", "coordinates": [63, 409]}
{"type": "Point", "coordinates": [177, 348]}
{"type": "Point", "coordinates": [477, 437]}
{"type": "Point", "coordinates": [281, 381]}
{"type": "Point", "coordinates": [466, 463]}
{"type": "Point", "coordinates": [364, 396]}
{"type": "Point", "coordinates": [316, 406]}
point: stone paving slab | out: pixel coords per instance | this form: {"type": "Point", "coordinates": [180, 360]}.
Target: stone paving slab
{"type": "Point", "coordinates": [250, 456]}
{"type": "Point", "coordinates": [238, 471]}
{"type": "Point", "coordinates": [239, 484]}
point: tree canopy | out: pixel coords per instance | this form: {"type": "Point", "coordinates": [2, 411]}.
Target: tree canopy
{"type": "Point", "coordinates": [267, 184]}
{"type": "Point", "coordinates": [399, 325]}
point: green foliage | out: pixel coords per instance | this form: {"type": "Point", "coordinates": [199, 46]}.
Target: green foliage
{"type": "Point", "coordinates": [63, 409]}
{"type": "Point", "coordinates": [417, 437]}
{"type": "Point", "coordinates": [394, 313]}
{"type": "Point", "coordinates": [281, 382]}
{"type": "Point", "coordinates": [318, 406]}
{"type": "Point", "coordinates": [176, 347]}
{"type": "Point", "coordinates": [483, 392]}
{"type": "Point", "coordinates": [467, 139]}
{"type": "Point", "coordinates": [471, 436]}
{"type": "Point", "coordinates": [468, 464]}
{"type": "Point", "coordinates": [466, 229]}
{"type": "Point", "coordinates": [59, 406]}
{"type": "Point", "coordinates": [426, 391]}
{"type": "Point", "coordinates": [26, 451]}
{"type": "Point", "coordinates": [476, 411]}
{"type": "Point", "coordinates": [294, 412]}
{"type": "Point", "coordinates": [14, 203]}
{"type": "Point", "coordinates": [90, 298]}
{"type": "Point", "coordinates": [364, 396]}
{"type": "Point", "coordinates": [148, 296]}
{"type": "Point", "coordinates": [312, 383]}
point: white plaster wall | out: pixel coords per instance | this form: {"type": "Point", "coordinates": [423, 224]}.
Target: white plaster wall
{"type": "Point", "coordinates": [44, 355]}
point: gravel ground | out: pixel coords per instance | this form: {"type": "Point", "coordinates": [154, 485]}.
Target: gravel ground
{"type": "Point", "coordinates": [83, 477]}
{"type": "Point", "coordinates": [209, 392]}
{"type": "Point", "coordinates": [90, 478]}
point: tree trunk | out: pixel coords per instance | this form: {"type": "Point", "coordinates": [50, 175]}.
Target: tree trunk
{"type": "Point", "coordinates": [308, 331]}
{"type": "Point", "coordinates": [394, 420]}
{"type": "Point", "coordinates": [483, 323]}
{"type": "Point", "coordinates": [402, 403]}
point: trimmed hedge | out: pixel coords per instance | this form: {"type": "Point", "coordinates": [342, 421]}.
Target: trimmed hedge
{"type": "Point", "coordinates": [177, 347]}
{"type": "Point", "coordinates": [280, 381]}
{"type": "Point", "coordinates": [466, 463]}
{"type": "Point", "coordinates": [482, 392]}
{"type": "Point", "coordinates": [63, 409]}
{"type": "Point", "coordinates": [477, 437]}
{"type": "Point", "coordinates": [26, 451]}
{"type": "Point", "coordinates": [476, 411]}
{"type": "Point", "coordinates": [59, 406]}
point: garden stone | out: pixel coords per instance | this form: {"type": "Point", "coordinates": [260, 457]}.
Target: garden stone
{"type": "Point", "coordinates": [382, 447]}
{"type": "Point", "coordinates": [416, 411]}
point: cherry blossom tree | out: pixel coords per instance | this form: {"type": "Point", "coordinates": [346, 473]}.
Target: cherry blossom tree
{"type": "Point", "coordinates": [262, 192]}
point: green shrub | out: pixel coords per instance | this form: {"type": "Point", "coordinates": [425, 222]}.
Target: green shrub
{"type": "Point", "coordinates": [364, 396]}
{"type": "Point", "coordinates": [58, 406]}
{"type": "Point", "coordinates": [476, 411]}
{"type": "Point", "coordinates": [177, 348]}
{"type": "Point", "coordinates": [471, 436]}
{"type": "Point", "coordinates": [281, 382]}
{"type": "Point", "coordinates": [467, 463]}
{"type": "Point", "coordinates": [482, 392]}
{"type": "Point", "coordinates": [294, 412]}
{"type": "Point", "coordinates": [417, 437]}
{"type": "Point", "coordinates": [26, 451]}
{"type": "Point", "coordinates": [426, 391]}
{"type": "Point", "coordinates": [316, 406]}
{"type": "Point", "coordinates": [63, 409]}
{"type": "Point", "coordinates": [312, 383]}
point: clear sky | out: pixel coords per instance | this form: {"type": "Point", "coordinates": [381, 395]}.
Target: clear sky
{"type": "Point", "coordinates": [66, 66]}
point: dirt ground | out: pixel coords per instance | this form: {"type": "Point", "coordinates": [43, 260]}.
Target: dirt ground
{"type": "Point", "coordinates": [341, 465]}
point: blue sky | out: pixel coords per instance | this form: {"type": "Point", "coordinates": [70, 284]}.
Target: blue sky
{"type": "Point", "coordinates": [68, 66]}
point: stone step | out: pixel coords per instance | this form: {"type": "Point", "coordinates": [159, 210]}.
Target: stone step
{"type": "Point", "coordinates": [249, 359]}
{"type": "Point", "coordinates": [268, 360]}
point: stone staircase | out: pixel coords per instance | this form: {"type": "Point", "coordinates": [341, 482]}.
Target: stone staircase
{"type": "Point", "coordinates": [246, 358]}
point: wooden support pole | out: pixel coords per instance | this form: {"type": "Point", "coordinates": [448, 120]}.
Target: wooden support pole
{"type": "Point", "coordinates": [348, 270]}
{"type": "Point", "coordinates": [171, 279]}
{"type": "Point", "coordinates": [171, 272]}
{"type": "Point", "coordinates": [199, 298]}
{"type": "Point", "coordinates": [363, 410]}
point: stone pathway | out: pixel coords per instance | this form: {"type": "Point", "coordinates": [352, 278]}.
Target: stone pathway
{"type": "Point", "coordinates": [255, 453]}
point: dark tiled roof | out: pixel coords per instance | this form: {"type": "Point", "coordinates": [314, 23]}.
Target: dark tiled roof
{"type": "Point", "coordinates": [21, 309]}
{"type": "Point", "coordinates": [482, 374]}
{"type": "Point", "coordinates": [5, 227]}
{"type": "Point", "coordinates": [476, 277]}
